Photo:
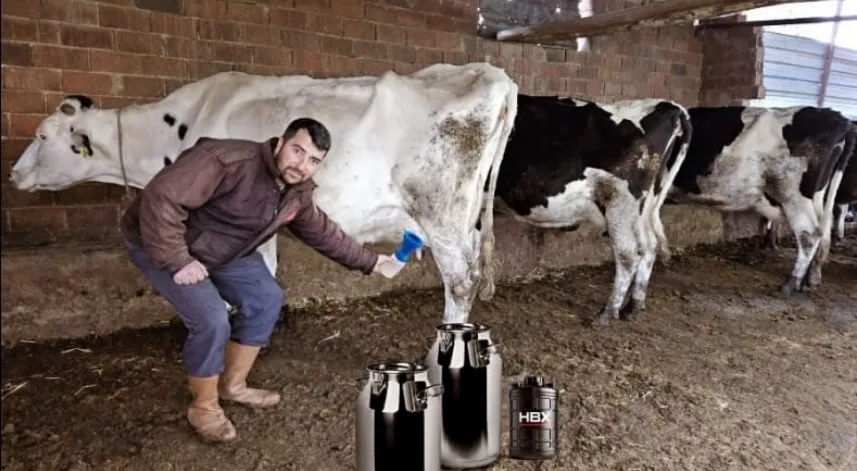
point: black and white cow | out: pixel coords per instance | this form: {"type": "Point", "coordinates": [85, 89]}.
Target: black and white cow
{"type": "Point", "coordinates": [847, 194]}
{"type": "Point", "coordinates": [572, 161]}
{"type": "Point", "coordinates": [779, 162]}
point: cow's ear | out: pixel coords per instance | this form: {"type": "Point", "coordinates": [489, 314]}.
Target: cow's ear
{"type": "Point", "coordinates": [72, 104]}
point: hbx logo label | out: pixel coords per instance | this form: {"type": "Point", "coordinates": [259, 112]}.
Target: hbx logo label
{"type": "Point", "coordinates": [533, 419]}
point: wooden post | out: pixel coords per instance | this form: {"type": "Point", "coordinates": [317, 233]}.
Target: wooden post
{"type": "Point", "coordinates": [651, 15]}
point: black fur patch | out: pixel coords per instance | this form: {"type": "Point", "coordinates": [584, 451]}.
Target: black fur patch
{"type": "Point", "coordinates": [182, 130]}
{"type": "Point", "coordinates": [169, 119]}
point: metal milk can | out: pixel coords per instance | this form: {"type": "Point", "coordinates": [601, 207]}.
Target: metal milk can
{"type": "Point", "coordinates": [398, 419]}
{"type": "Point", "coordinates": [467, 363]}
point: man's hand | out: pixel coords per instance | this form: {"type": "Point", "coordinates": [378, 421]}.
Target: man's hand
{"type": "Point", "coordinates": [192, 273]}
{"type": "Point", "coordinates": [382, 260]}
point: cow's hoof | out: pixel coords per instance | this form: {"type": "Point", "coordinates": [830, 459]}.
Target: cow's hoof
{"type": "Point", "coordinates": [633, 313]}
{"type": "Point", "coordinates": [603, 318]}
{"type": "Point", "coordinates": [789, 287]}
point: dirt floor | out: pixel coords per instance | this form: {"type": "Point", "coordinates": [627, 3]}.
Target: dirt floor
{"type": "Point", "coordinates": [721, 374]}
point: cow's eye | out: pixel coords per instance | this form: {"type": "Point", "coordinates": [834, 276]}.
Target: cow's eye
{"type": "Point", "coordinates": [42, 137]}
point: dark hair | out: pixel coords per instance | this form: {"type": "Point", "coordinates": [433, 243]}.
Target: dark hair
{"type": "Point", "coordinates": [317, 132]}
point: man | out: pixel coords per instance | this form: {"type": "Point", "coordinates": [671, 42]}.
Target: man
{"type": "Point", "coordinates": [193, 232]}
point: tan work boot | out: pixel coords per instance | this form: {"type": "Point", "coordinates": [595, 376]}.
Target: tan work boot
{"type": "Point", "coordinates": [233, 384]}
{"type": "Point", "coordinates": [205, 414]}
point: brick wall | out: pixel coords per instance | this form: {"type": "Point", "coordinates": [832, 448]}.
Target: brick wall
{"type": "Point", "coordinates": [126, 51]}
{"type": "Point", "coordinates": [732, 64]}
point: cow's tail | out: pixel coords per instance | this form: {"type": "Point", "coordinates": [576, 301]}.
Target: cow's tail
{"type": "Point", "coordinates": [670, 166]}
{"type": "Point", "coordinates": [505, 123]}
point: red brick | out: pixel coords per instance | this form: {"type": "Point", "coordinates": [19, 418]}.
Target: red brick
{"type": "Point", "coordinates": [290, 19]}
{"type": "Point", "coordinates": [11, 149]}
{"type": "Point", "coordinates": [109, 102]}
{"type": "Point", "coordinates": [465, 27]}
{"type": "Point", "coordinates": [163, 23]}
{"type": "Point", "coordinates": [26, 78]}
{"type": "Point", "coordinates": [381, 14]}
{"type": "Point", "coordinates": [20, 29]}
{"type": "Point", "coordinates": [108, 61]}
{"type": "Point", "coordinates": [49, 218]}
{"type": "Point", "coordinates": [457, 58]}
{"type": "Point", "coordinates": [124, 18]}
{"type": "Point", "coordinates": [370, 49]}
{"type": "Point", "coordinates": [202, 69]}
{"type": "Point", "coordinates": [402, 53]}
{"type": "Point", "coordinates": [440, 23]}
{"type": "Point", "coordinates": [411, 19]}
{"type": "Point", "coordinates": [15, 101]}
{"type": "Point", "coordinates": [89, 216]}
{"type": "Point", "coordinates": [139, 43]}
{"type": "Point", "coordinates": [164, 66]}
{"type": "Point", "coordinates": [403, 68]}
{"type": "Point", "coordinates": [16, 54]}
{"type": "Point", "coordinates": [186, 48]}
{"type": "Point", "coordinates": [358, 30]}
{"type": "Point", "coordinates": [21, 8]}
{"type": "Point", "coordinates": [391, 34]}
{"type": "Point", "coordinates": [449, 42]}
{"type": "Point", "coordinates": [428, 56]}
{"type": "Point", "coordinates": [172, 85]}
{"type": "Point", "coordinates": [311, 62]}
{"type": "Point", "coordinates": [272, 56]}
{"type": "Point", "coordinates": [60, 57]}
{"type": "Point", "coordinates": [220, 31]}
{"type": "Point", "coordinates": [24, 125]}
{"type": "Point", "coordinates": [335, 46]}
{"type": "Point", "coordinates": [228, 52]}
{"type": "Point", "coordinates": [300, 41]}
{"type": "Point", "coordinates": [260, 69]}
{"type": "Point", "coordinates": [420, 38]}
{"type": "Point", "coordinates": [594, 87]}
{"type": "Point", "coordinates": [343, 66]}
{"type": "Point", "coordinates": [324, 23]}
{"type": "Point", "coordinates": [49, 33]}
{"type": "Point", "coordinates": [374, 67]}
{"type": "Point", "coordinates": [13, 198]}
{"type": "Point", "coordinates": [70, 11]}
{"type": "Point", "coordinates": [4, 124]}
{"type": "Point", "coordinates": [84, 193]}
{"type": "Point", "coordinates": [348, 8]}
{"type": "Point", "coordinates": [210, 9]}
{"type": "Point", "coordinates": [142, 86]}
{"type": "Point", "coordinates": [86, 36]}
{"type": "Point", "coordinates": [246, 13]}
{"type": "Point", "coordinates": [54, 99]}
{"type": "Point", "coordinates": [263, 35]}
{"type": "Point", "coordinates": [87, 83]}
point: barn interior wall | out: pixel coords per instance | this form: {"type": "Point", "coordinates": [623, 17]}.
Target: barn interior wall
{"type": "Point", "coordinates": [134, 51]}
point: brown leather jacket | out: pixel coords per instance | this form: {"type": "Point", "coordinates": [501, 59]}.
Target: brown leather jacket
{"type": "Point", "coordinates": [220, 200]}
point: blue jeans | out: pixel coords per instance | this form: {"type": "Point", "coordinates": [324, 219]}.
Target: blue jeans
{"type": "Point", "coordinates": [245, 283]}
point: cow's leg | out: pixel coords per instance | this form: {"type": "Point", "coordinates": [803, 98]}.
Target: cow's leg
{"type": "Point", "coordinates": [826, 216]}
{"type": "Point", "coordinates": [839, 232]}
{"type": "Point", "coordinates": [457, 262]}
{"type": "Point", "coordinates": [648, 245]}
{"type": "Point", "coordinates": [802, 219]}
{"type": "Point", "coordinates": [622, 219]}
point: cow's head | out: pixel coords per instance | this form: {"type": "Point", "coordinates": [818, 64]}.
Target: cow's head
{"type": "Point", "coordinates": [75, 144]}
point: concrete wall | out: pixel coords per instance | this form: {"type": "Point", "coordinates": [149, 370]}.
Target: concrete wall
{"type": "Point", "coordinates": [123, 51]}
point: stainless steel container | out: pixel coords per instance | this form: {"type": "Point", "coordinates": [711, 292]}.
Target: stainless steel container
{"type": "Point", "coordinates": [467, 363]}
{"type": "Point", "coordinates": [398, 419]}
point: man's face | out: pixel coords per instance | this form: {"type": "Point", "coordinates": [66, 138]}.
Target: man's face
{"type": "Point", "coordinates": [298, 158]}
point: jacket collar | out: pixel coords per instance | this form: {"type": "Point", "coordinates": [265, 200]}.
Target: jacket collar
{"type": "Point", "coordinates": [267, 150]}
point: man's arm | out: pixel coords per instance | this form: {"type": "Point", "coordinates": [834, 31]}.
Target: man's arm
{"type": "Point", "coordinates": [164, 203]}
{"type": "Point", "coordinates": [314, 228]}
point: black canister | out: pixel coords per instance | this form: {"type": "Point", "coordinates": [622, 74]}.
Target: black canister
{"type": "Point", "coordinates": [532, 420]}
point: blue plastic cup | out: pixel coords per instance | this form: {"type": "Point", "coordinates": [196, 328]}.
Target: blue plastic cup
{"type": "Point", "coordinates": [410, 243]}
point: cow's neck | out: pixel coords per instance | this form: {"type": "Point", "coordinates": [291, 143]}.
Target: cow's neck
{"type": "Point", "coordinates": [144, 144]}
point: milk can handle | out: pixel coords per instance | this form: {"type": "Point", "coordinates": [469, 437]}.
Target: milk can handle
{"type": "Point", "coordinates": [434, 390]}
{"type": "Point", "coordinates": [494, 347]}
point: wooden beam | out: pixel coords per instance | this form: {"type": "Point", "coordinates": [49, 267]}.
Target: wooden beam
{"type": "Point", "coordinates": [785, 21]}
{"type": "Point", "coordinates": [651, 15]}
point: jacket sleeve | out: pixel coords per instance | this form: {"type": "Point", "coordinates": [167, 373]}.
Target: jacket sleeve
{"type": "Point", "coordinates": [188, 183]}
{"type": "Point", "coordinates": [314, 228]}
